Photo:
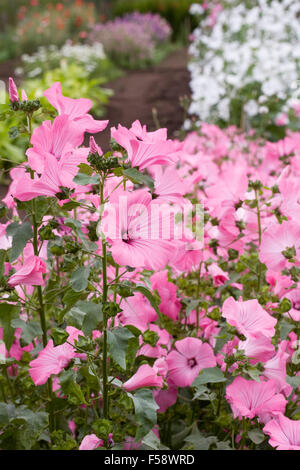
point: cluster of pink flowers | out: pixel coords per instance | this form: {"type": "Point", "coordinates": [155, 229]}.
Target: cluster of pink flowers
{"type": "Point", "coordinates": [220, 169]}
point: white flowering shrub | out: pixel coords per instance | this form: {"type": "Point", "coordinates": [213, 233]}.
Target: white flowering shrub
{"type": "Point", "coordinates": [47, 58]}
{"type": "Point", "coordinates": [245, 68]}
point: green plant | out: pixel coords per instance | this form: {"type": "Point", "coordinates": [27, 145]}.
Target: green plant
{"type": "Point", "coordinates": [75, 84]}
{"type": "Point", "coordinates": [12, 145]}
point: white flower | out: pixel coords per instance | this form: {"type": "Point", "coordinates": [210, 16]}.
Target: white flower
{"type": "Point", "coordinates": [247, 45]}
{"type": "Point", "coordinates": [251, 108]}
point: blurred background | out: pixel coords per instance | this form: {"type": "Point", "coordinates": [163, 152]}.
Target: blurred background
{"type": "Point", "coordinates": [128, 56]}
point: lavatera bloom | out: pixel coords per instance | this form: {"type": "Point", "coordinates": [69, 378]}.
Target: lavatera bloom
{"type": "Point", "coordinates": [190, 357]}
{"type": "Point", "coordinates": [135, 232]}
{"type": "Point", "coordinates": [31, 273]}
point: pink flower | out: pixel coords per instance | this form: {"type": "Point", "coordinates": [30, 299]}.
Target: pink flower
{"type": "Point", "coordinates": [275, 369]}
{"type": "Point", "coordinates": [276, 240]}
{"type": "Point", "coordinates": [219, 276]}
{"type": "Point", "coordinates": [137, 311]}
{"type": "Point", "coordinates": [94, 148]}
{"type": "Point", "coordinates": [31, 273]}
{"type": "Point", "coordinates": [51, 360]}
{"type": "Point", "coordinates": [56, 174]}
{"type": "Point", "coordinates": [24, 95]}
{"type": "Point", "coordinates": [162, 346]}
{"type": "Point", "coordinates": [191, 356]}
{"type": "Point", "coordinates": [136, 237]}
{"type": "Point", "coordinates": [13, 91]}
{"type": "Point", "coordinates": [168, 186]}
{"type": "Point", "coordinates": [52, 139]}
{"type": "Point", "coordinates": [147, 148]}
{"type": "Point", "coordinates": [258, 348]}
{"type": "Point", "coordinates": [166, 398]}
{"type": "Point", "coordinates": [76, 109]}
{"type": "Point", "coordinates": [145, 376]}
{"type": "Point", "coordinates": [91, 442]}
{"type": "Point", "coordinates": [249, 398]}
{"type": "Point", "coordinates": [294, 297]}
{"type": "Point", "coordinates": [248, 317]}
{"type": "Point", "coordinates": [169, 305]}
{"type": "Point", "coordinates": [284, 433]}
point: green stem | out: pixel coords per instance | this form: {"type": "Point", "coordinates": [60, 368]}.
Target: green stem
{"type": "Point", "coordinates": [258, 217]}
{"type": "Point", "coordinates": [197, 297]}
{"type": "Point", "coordinates": [115, 289]}
{"type": "Point", "coordinates": [259, 238]}
{"type": "Point", "coordinates": [42, 315]}
{"type": "Point", "coordinates": [104, 301]}
{"type": "Point", "coordinates": [11, 390]}
{"type": "Point", "coordinates": [3, 392]}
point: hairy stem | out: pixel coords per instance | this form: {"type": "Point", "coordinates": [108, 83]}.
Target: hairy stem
{"type": "Point", "coordinates": [104, 302]}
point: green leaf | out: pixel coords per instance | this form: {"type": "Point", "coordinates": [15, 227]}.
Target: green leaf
{"type": "Point", "coordinates": [198, 441]}
{"type": "Point", "coordinates": [254, 374]}
{"type": "Point", "coordinates": [223, 445]}
{"type": "Point", "coordinates": [285, 329]}
{"type": "Point", "coordinates": [20, 234]}
{"type": "Point", "coordinates": [87, 315]}
{"type": "Point", "coordinates": [118, 343]}
{"type": "Point", "coordinates": [83, 179]}
{"type": "Point", "coordinates": [79, 278]}
{"type": "Point", "coordinates": [68, 206]}
{"type": "Point", "coordinates": [29, 330]}
{"type": "Point", "coordinates": [33, 423]}
{"type": "Point", "coordinates": [71, 388]}
{"type": "Point", "coordinates": [7, 411]}
{"type": "Point", "coordinates": [7, 313]}
{"type": "Point", "coordinates": [296, 357]}
{"type": "Point", "coordinates": [76, 226]}
{"type": "Point", "coordinates": [209, 375]}
{"type": "Point", "coordinates": [134, 175]}
{"type": "Point", "coordinates": [293, 381]}
{"type": "Point", "coordinates": [151, 442]}
{"type": "Point", "coordinates": [145, 411]}
{"type": "Point", "coordinates": [192, 305]}
{"type": "Point", "coordinates": [256, 435]}
{"type": "Point", "coordinates": [86, 169]}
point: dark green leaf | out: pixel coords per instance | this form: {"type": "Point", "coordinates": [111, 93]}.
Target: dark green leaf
{"type": "Point", "coordinates": [83, 179]}
{"type": "Point", "coordinates": [33, 423]}
{"type": "Point", "coordinates": [134, 175]}
{"type": "Point", "coordinates": [71, 388]}
{"type": "Point", "coordinates": [20, 233]}
{"type": "Point", "coordinates": [198, 441]}
{"type": "Point", "coordinates": [30, 330]}
{"type": "Point", "coordinates": [209, 375]}
{"type": "Point", "coordinates": [145, 411]}
{"type": "Point", "coordinates": [7, 313]}
{"type": "Point", "coordinates": [118, 343]}
{"type": "Point", "coordinates": [79, 278]}
{"type": "Point", "coordinates": [7, 411]}
{"type": "Point", "coordinates": [87, 314]}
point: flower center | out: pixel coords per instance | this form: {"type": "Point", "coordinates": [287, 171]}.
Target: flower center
{"type": "Point", "coordinates": [192, 362]}
{"type": "Point", "coordinates": [296, 305]}
{"type": "Point", "coordinates": [125, 236]}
